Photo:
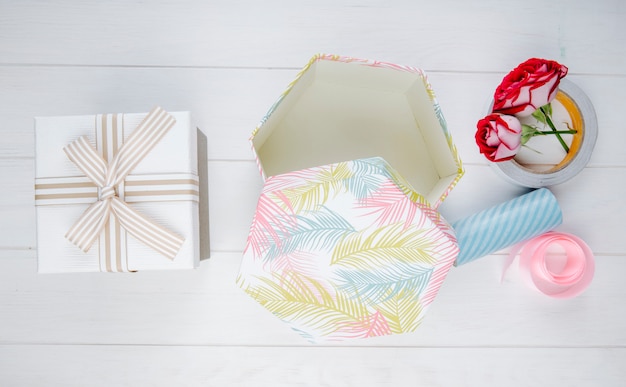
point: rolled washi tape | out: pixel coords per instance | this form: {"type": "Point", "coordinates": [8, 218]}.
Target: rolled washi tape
{"type": "Point", "coordinates": [506, 224]}
{"type": "Point", "coordinates": [563, 279]}
{"type": "Point", "coordinates": [583, 117]}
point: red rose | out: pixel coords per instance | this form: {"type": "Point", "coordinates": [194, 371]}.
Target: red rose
{"type": "Point", "coordinates": [528, 87]}
{"type": "Point", "coordinates": [499, 137]}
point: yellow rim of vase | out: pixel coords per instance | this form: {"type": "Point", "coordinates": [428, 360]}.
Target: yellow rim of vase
{"type": "Point", "coordinates": [577, 124]}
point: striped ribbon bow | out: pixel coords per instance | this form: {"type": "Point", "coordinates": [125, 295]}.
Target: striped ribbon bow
{"type": "Point", "coordinates": [107, 176]}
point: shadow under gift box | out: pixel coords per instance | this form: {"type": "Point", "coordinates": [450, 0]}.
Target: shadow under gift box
{"type": "Point", "coordinates": [356, 158]}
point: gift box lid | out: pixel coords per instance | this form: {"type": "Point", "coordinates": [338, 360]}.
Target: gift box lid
{"type": "Point", "coordinates": [346, 250]}
{"type": "Point", "coordinates": [341, 108]}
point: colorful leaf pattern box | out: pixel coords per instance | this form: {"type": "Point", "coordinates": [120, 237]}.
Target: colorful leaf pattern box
{"type": "Point", "coordinates": [346, 240]}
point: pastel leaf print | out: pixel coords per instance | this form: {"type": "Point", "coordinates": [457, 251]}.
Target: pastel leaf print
{"type": "Point", "coordinates": [403, 312]}
{"type": "Point", "coordinates": [368, 175]}
{"type": "Point", "coordinates": [319, 229]}
{"type": "Point", "coordinates": [374, 324]}
{"type": "Point", "coordinates": [305, 301]}
{"type": "Point", "coordinates": [369, 166]}
{"type": "Point", "coordinates": [406, 187]}
{"type": "Point", "coordinates": [429, 89]}
{"type": "Point", "coordinates": [305, 334]}
{"type": "Point", "coordinates": [392, 206]}
{"type": "Point", "coordinates": [385, 246]}
{"type": "Point", "coordinates": [378, 325]}
{"type": "Point", "coordinates": [380, 284]}
{"type": "Point", "coordinates": [267, 225]}
{"type": "Point", "coordinates": [297, 261]}
{"type": "Point", "coordinates": [317, 191]}
{"type": "Point", "coordinates": [363, 186]}
{"type": "Point", "coordinates": [437, 278]}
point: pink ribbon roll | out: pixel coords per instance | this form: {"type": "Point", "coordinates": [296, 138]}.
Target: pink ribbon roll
{"type": "Point", "coordinates": [566, 280]}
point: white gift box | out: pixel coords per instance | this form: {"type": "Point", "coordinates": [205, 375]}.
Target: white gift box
{"type": "Point", "coordinates": [163, 187]}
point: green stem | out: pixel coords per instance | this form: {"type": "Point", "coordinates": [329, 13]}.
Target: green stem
{"type": "Point", "coordinates": [556, 132]}
{"type": "Point", "coordinates": [545, 132]}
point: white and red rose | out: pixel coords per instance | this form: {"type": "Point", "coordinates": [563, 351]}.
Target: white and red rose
{"type": "Point", "coordinates": [499, 136]}
{"type": "Point", "coordinates": [528, 87]}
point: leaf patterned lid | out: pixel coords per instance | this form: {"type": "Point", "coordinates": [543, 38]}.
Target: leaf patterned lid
{"type": "Point", "coordinates": [346, 250]}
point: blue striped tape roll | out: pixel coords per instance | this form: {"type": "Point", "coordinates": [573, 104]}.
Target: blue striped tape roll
{"type": "Point", "coordinates": [506, 224]}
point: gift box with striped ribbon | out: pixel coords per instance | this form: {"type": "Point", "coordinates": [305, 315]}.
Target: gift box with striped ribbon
{"type": "Point", "coordinates": [117, 192]}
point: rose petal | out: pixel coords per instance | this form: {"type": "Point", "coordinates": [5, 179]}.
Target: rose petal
{"type": "Point", "coordinates": [492, 139]}
{"type": "Point", "coordinates": [498, 136]}
{"type": "Point", "coordinates": [504, 153]}
{"type": "Point", "coordinates": [512, 123]}
{"type": "Point", "coordinates": [509, 139]}
{"type": "Point", "coordinates": [529, 86]}
{"type": "Point", "coordinates": [541, 94]}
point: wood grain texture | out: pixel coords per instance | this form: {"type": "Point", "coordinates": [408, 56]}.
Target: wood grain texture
{"type": "Point", "coordinates": [70, 365]}
{"type": "Point", "coordinates": [441, 35]}
{"type": "Point", "coordinates": [227, 104]}
{"type": "Point", "coordinates": [205, 307]}
{"type": "Point", "coordinates": [227, 62]}
{"type": "Point", "coordinates": [592, 197]}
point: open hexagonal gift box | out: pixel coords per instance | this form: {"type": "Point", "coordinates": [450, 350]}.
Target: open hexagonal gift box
{"type": "Point", "coordinates": [342, 249]}
{"type": "Point", "coordinates": [341, 109]}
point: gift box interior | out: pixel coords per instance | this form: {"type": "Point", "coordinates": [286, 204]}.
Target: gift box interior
{"type": "Point", "coordinates": [340, 109]}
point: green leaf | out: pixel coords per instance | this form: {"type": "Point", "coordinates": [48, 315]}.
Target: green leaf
{"type": "Point", "coordinates": [528, 132]}
{"type": "Point", "coordinates": [548, 109]}
{"type": "Point", "coordinates": [539, 116]}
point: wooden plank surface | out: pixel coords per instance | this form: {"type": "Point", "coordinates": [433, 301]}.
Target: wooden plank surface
{"type": "Point", "coordinates": [451, 35]}
{"type": "Point", "coordinates": [595, 196]}
{"type": "Point", "coordinates": [121, 365]}
{"type": "Point", "coordinates": [205, 307]}
{"type": "Point", "coordinates": [227, 104]}
{"type": "Point", "coordinates": [227, 62]}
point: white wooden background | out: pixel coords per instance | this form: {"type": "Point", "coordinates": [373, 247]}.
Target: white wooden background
{"type": "Point", "coordinates": [227, 61]}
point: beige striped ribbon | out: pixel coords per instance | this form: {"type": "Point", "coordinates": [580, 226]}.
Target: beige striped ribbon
{"type": "Point", "coordinates": [110, 210]}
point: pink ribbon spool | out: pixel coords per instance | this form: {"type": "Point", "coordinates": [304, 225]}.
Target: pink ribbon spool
{"type": "Point", "coordinates": [574, 275]}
